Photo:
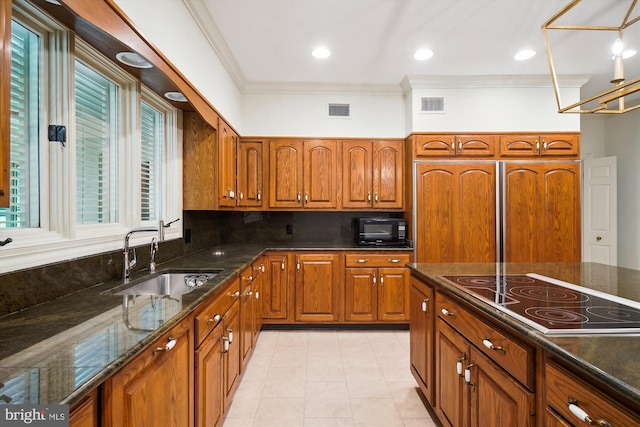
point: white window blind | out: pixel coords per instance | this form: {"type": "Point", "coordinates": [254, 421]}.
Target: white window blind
{"type": "Point", "coordinates": [96, 147]}
{"type": "Point", "coordinates": [24, 206]}
{"type": "Point", "coordinates": [152, 142]}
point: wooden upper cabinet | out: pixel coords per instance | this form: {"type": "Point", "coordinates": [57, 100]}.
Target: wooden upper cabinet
{"type": "Point", "coordinates": [448, 145]}
{"type": "Point", "coordinates": [303, 174]}
{"type": "Point", "coordinates": [5, 98]}
{"type": "Point", "coordinates": [320, 174]}
{"type": "Point", "coordinates": [285, 174]}
{"type": "Point", "coordinates": [199, 153]}
{"type": "Point", "coordinates": [227, 146]}
{"type": "Point", "coordinates": [250, 174]}
{"type": "Point", "coordinates": [533, 145]}
{"type": "Point", "coordinates": [372, 174]}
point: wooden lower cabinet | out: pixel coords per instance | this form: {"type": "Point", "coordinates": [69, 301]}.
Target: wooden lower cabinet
{"type": "Point", "coordinates": [231, 353]}
{"type": "Point", "coordinates": [376, 294]}
{"type": "Point", "coordinates": [247, 317]}
{"type": "Point", "coordinates": [275, 288]}
{"type": "Point", "coordinates": [208, 380]}
{"type": "Point", "coordinates": [317, 291]}
{"type": "Point", "coordinates": [85, 413]}
{"type": "Point", "coordinates": [421, 336]}
{"type": "Point", "coordinates": [473, 390]}
{"type": "Point", "coordinates": [155, 389]}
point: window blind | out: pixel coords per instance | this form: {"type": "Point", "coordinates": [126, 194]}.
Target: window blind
{"type": "Point", "coordinates": [152, 141]}
{"type": "Point", "coordinates": [96, 147]}
{"type": "Point", "coordinates": [24, 207]}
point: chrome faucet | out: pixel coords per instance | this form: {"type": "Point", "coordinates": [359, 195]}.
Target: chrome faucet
{"type": "Point", "coordinates": [162, 226]}
{"type": "Point", "coordinates": [128, 262]}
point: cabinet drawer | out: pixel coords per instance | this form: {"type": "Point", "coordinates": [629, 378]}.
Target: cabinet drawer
{"type": "Point", "coordinates": [561, 386]}
{"type": "Point", "coordinates": [376, 260]}
{"type": "Point", "coordinates": [515, 357]}
{"type": "Point", "coordinates": [206, 318]}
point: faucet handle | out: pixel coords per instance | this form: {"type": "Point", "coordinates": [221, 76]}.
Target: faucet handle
{"type": "Point", "coordinates": [133, 260]}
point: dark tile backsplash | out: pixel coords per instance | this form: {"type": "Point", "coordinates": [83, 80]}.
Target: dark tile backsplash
{"type": "Point", "coordinates": [203, 229]}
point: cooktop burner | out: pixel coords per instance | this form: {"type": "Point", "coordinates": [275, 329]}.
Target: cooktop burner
{"type": "Point", "coordinates": [553, 306]}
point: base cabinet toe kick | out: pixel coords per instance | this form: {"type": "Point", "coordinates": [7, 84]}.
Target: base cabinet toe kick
{"type": "Point", "coordinates": [474, 370]}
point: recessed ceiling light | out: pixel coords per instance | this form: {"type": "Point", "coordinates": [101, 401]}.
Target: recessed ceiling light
{"type": "Point", "coordinates": [175, 96]}
{"type": "Point", "coordinates": [422, 54]}
{"type": "Point", "coordinates": [524, 55]}
{"type": "Point", "coordinates": [133, 59]}
{"type": "Point", "coordinates": [321, 52]}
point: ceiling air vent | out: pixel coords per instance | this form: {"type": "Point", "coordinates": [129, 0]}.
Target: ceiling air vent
{"type": "Point", "coordinates": [432, 105]}
{"type": "Point", "coordinates": [339, 110]}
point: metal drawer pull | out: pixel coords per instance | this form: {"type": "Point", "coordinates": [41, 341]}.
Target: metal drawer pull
{"type": "Point", "coordinates": [235, 294]}
{"type": "Point", "coordinates": [487, 343]}
{"type": "Point", "coordinates": [448, 313]}
{"type": "Point", "coordinates": [361, 260]}
{"type": "Point", "coordinates": [394, 260]}
{"type": "Point", "coordinates": [424, 305]}
{"type": "Point", "coordinates": [249, 278]}
{"type": "Point", "coordinates": [171, 342]}
{"type": "Point", "coordinates": [583, 416]}
{"type": "Point", "coordinates": [214, 319]}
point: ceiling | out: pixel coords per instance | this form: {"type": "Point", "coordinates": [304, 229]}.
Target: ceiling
{"type": "Point", "coordinates": [269, 42]}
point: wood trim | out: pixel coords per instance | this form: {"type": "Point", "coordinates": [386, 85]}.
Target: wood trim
{"type": "Point", "coordinates": [5, 99]}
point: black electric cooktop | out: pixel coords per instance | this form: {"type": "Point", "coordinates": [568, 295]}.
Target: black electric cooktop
{"type": "Point", "coordinates": [552, 306]}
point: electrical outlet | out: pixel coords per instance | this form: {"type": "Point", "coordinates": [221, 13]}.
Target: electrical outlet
{"type": "Point", "coordinates": [289, 229]}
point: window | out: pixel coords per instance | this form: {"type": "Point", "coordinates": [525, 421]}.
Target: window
{"type": "Point", "coordinates": [96, 147]}
{"type": "Point", "coordinates": [151, 147]}
{"type": "Point", "coordinates": [121, 166]}
{"type": "Point", "coordinates": [24, 206]}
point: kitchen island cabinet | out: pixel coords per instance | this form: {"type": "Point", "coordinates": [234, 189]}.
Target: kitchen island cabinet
{"type": "Point", "coordinates": [155, 389]}
{"type": "Point", "coordinates": [422, 336]}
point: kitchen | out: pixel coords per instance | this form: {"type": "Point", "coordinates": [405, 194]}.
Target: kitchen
{"type": "Point", "coordinates": [383, 120]}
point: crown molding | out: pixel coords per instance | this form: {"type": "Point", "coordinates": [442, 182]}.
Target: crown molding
{"type": "Point", "coordinates": [320, 88]}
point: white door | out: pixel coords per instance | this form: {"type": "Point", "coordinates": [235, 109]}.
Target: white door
{"type": "Point", "coordinates": [600, 225]}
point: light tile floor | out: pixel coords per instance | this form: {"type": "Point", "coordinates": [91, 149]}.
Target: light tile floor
{"type": "Point", "coordinates": [329, 378]}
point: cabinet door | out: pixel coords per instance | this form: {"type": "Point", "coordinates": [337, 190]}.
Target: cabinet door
{"type": "Point", "coordinates": [456, 212]}
{"type": "Point", "coordinates": [357, 174]}
{"type": "Point", "coordinates": [542, 212]}
{"type": "Point", "coordinates": [275, 287]}
{"type": "Point", "coordinates": [451, 391]}
{"type": "Point", "coordinates": [560, 145]}
{"type": "Point", "coordinates": [156, 388]}
{"type": "Point", "coordinates": [285, 174]}
{"type": "Point", "coordinates": [227, 146]}
{"type": "Point", "coordinates": [519, 145]}
{"type": "Point", "coordinates": [421, 336]}
{"type": "Point", "coordinates": [208, 379]}
{"type": "Point", "coordinates": [250, 174]}
{"type": "Point", "coordinates": [317, 293]}
{"type": "Point", "coordinates": [258, 277]}
{"type": "Point", "coordinates": [85, 414]}
{"type": "Point", "coordinates": [246, 317]}
{"type": "Point", "coordinates": [388, 160]}
{"type": "Point", "coordinates": [361, 295]}
{"type": "Point", "coordinates": [496, 398]}
{"type": "Point", "coordinates": [198, 174]}
{"type": "Point", "coordinates": [231, 352]}
{"type": "Point", "coordinates": [434, 145]}
{"type": "Point", "coordinates": [475, 145]}
{"type": "Point", "coordinates": [321, 174]}
{"type": "Point", "coordinates": [393, 294]}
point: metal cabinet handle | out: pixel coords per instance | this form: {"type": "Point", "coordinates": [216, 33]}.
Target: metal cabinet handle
{"type": "Point", "coordinates": [249, 293]}
{"type": "Point", "coordinates": [171, 342]}
{"type": "Point", "coordinates": [299, 196]}
{"type": "Point", "coordinates": [453, 146]}
{"type": "Point", "coordinates": [381, 280]}
{"type": "Point", "coordinates": [544, 144]}
{"type": "Point", "coordinates": [375, 197]}
{"type": "Point", "coordinates": [487, 343]}
{"type": "Point", "coordinates": [583, 416]}
{"type": "Point", "coordinates": [394, 260]}
{"type": "Point", "coordinates": [235, 294]}
{"type": "Point", "coordinates": [467, 375]}
{"type": "Point", "coordinates": [368, 196]}
{"type": "Point", "coordinates": [374, 280]}
{"type": "Point", "coordinates": [537, 144]}
{"type": "Point", "coordinates": [362, 260]}
{"type": "Point", "coordinates": [298, 265]}
{"type": "Point", "coordinates": [459, 145]}
{"type": "Point", "coordinates": [424, 305]}
{"type": "Point", "coordinates": [225, 344]}
{"type": "Point", "coordinates": [448, 313]}
{"type": "Point", "coordinates": [232, 193]}
{"type": "Point", "coordinates": [230, 335]}
{"type": "Point", "coordinates": [306, 197]}
{"type": "Point", "coordinates": [257, 294]}
{"type": "Point", "coordinates": [214, 319]}
{"type": "Point", "coordinates": [248, 278]}
{"type": "Point", "coordinates": [241, 195]}
{"type": "Point", "coordinates": [459, 363]}
{"type": "Point", "coordinates": [282, 265]}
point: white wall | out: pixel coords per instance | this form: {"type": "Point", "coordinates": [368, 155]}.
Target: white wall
{"type": "Point", "coordinates": [592, 137]}
{"type": "Point", "coordinates": [622, 133]}
{"type": "Point", "coordinates": [169, 26]}
{"type": "Point", "coordinates": [305, 114]}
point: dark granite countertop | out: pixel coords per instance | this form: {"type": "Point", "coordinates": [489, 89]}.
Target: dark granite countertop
{"type": "Point", "coordinates": [611, 359]}
{"type": "Point", "coordinates": [58, 351]}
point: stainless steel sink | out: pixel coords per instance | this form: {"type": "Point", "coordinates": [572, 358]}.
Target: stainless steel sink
{"type": "Point", "coordinates": [170, 283]}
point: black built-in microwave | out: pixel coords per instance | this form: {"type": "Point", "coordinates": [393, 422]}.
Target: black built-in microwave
{"type": "Point", "coordinates": [380, 231]}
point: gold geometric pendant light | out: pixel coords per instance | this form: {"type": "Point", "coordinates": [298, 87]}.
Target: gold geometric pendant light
{"type": "Point", "coordinates": [597, 33]}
